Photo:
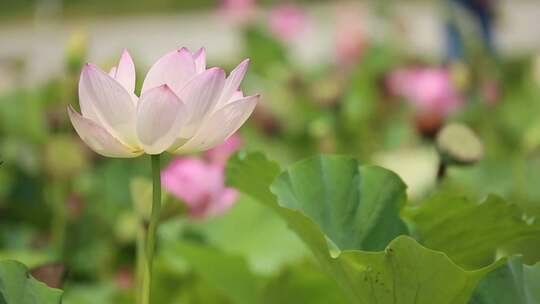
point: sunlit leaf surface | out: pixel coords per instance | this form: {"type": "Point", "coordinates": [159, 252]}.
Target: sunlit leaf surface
{"type": "Point", "coordinates": [405, 272]}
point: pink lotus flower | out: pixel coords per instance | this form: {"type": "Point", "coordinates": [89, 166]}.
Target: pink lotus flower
{"type": "Point", "coordinates": [350, 36]}
{"type": "Point", "coordinates": [287, 22]}
{"type": "Point", "coordinates": [238, 11]}
{"type": "Point", "coordinates": [184, 107]}
{"type": "Point", "coordinates": [221, 153]}
{"type": "Point", "coordinates": [200, 183]}
{"type": "Point", "coordinates": [430, 90]}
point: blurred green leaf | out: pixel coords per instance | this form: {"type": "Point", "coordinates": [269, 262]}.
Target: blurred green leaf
{"type": "Point", "coordinates": [64, 157]}
{"type": "Point", "coordinates": [469, 232]}
{"type": "Point", "coordinates": [190, 289]}
{"type": "Point", "coordinates": [29, 258]}
{"type": "Point", "coordinates": [22, 115]}
{"type": "Point", "coordinates": [528, 248]}
{"type": "Point", "coordinates": [141, 196]}
{"type": "Point", "coordinates": [239, 232]}
{"type": "Point", "coordinates": [103, 293]}
{"type": "Point", "coordinates": [109, 187]}
{"type": "Point", "coordinates": [303, 283]}
{"type": "Point", "coordinates": [404, 272]}
{"type": "Point", "coordinates": [512, 283]}
{"type": "Point", "coordinates": [362, 117]}
{"type": "Point", "coordinates": [265, 51]}
{"type": "Point", "coordinates": [18, 287]}
{"type": "Point", "coordinates": [228, 273]}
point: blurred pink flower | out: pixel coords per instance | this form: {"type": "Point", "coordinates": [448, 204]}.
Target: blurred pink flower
{"type": "Point", "coordinates": [125, 278]}
{"type": "Point", "coordinates": [221, 153]}
{"type": "Point", "coordinates": [427, 89]}
{"type": "Point", "coordinates": [350, 34]}
{"type": "Point", "coordinates": [491, 92]}
{"type": "Point", "coordinates": [287, 22]}
{"type": "Point", "coordinates": [200, 183]}
{"type": "Point", "coordinates": [239, 12]}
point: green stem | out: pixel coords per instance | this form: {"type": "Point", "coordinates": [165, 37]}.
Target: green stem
{"type": "Point", "coordinates": [152, 228]}
{"type": "Point", "coordinates": [140, 262]}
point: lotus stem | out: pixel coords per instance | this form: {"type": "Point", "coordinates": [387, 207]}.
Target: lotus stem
{"type": "Point", "coordinates": [152, 229]}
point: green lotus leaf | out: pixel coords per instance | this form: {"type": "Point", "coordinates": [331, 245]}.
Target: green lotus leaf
{"type": "Point", "coordinates": [404, 272]}
{"type": "Point", "coordinates": [18, 287]}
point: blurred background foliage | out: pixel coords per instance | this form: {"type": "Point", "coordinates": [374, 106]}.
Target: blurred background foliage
{"type": "Point", "coordinates": [59, 202]}
{"type": "Point", "coordinates": [75, 8]}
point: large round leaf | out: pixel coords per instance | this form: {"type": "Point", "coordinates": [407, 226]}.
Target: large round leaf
{"type": "Point", "coordinates": [470, 232]}
{"type": "Point", "coordinates": [356, 207]}
{"type": "Point", "coordinates": [404, 273]}
{"type": "Point", "coordinates": [512, 283]}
